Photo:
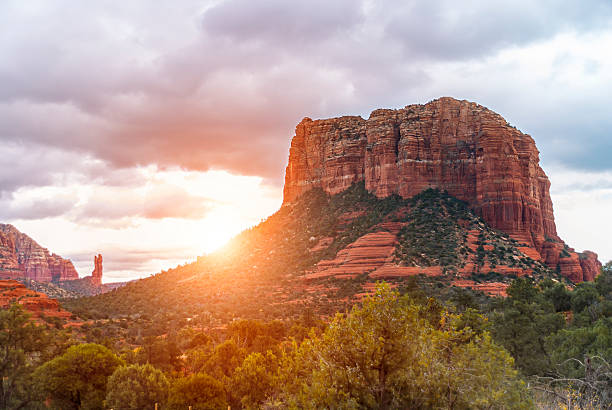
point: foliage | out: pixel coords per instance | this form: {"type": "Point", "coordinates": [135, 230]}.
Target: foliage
{"type": "Point", "coordinates": [136, 387]}
{"type": "Point", "coordinates": [435, 234]}
{"type": "Point", "coordinates": [77, 379]}
{"type": "Point", "coordinates": [161, 352]}
{"type": "Point", "coordinates": [23, 346]}
{"type": "Point", "coordinates": [593, 391]}
{"type": "Point", "coordinates": [391, 353]}
{"type": "Point", "coordinates": [252, 382]}
{"type": "Point", "coordinates": [200, 391]}
{"type": "Point", "coordinates": [224, 359]}
{"type": "Point", "coordinates": [561, 337]}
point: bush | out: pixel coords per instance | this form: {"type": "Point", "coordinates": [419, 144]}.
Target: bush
{"type": "Point", "coordinates": [200, 391]}
{"type": "Point", "coordinates": [136, 387]}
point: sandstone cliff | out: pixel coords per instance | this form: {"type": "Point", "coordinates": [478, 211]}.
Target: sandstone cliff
{"type": "Point", "coordinates": [458, 146]}
{"type": "Point", "coordinates": [22, 258]}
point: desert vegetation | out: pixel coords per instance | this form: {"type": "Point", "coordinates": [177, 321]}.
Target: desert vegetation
{"type": "Point", "coordinates": [543, 345]}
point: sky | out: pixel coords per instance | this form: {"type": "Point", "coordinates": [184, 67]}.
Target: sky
{"type": "Point", "coordinates": [152, 132]}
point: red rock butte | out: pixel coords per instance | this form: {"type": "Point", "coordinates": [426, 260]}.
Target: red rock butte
{"type": "Point", "coordinates": [457, 146]}
{"type": "Point", "coordinates": [22, 258]}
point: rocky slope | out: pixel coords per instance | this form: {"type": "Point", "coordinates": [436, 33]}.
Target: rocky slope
{"type": "Point", "coordinates": [22, 258]}
{"type": "Point", "coordinates": [457, 146]}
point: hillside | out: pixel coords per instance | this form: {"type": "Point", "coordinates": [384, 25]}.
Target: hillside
{"type": "Point", "coordinates": [323, 253]}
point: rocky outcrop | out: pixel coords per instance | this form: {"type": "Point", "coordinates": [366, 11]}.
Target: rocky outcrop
{"type": "Point", "coordinates": [491, 288]}
{"type": "Point", "coordinates": [590, 265]}
{"type": "Point", "coordinates": [38, 304]}
{"type": "Point", "coordinates": [457, 146]}
{"type": "Point", "coordinates": [22, 258]}
{"type": "Point", "coordinates": [89, 285]}
{"type": "Point", "coordinates": [373, 255]}
{"type": "Point", "coordinates": [96, 275]}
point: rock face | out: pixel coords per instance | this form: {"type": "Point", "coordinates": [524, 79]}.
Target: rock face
{"type": "Point", "coordinates": [590, 265]}
{"type": "Point", "coordinates": [96, 275]}
{"type": "Point", "coordinates": [458, 146]}
{"type": "Point", "coordinates": [22, 258]}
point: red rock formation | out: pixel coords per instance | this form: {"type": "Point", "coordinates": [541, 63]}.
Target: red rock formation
{"type": "Point", "coordinates": [34, 302]}
{"type": "Point", "coordinates": [365, 255]}
{"type": "Point", "coordinates": [492, 288]}
{"type": "Point", "coordinates": [96, 275]}
{"type": "Point", "coordinates": [9, 267]}
{"type": "Point", "coordinates": [22, 258]}
{"type": "Point", "coordinates": [591, 266]}
{"type": "Point", "coordinates": [458, 146]}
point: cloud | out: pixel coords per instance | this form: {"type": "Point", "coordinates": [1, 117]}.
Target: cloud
{"type": "Point", "coordinates": [290, 26]}
{"type": "Point", "coordinates": [35, 208]}
{"type": "Point", "coordinates": [94, 195]}
{"type": "Point", "coordinates": [220, 85]}
{"type": "Point", "coordinates": [156, 201]}
{"type": "Point", "coordinates": [443, 30]}
{"type": "Point", "coordinates": [582, 202]}
{"type": "Point", "coordinates": [92, 93]}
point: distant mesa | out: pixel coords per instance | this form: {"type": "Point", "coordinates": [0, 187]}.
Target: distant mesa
{"type": "Point", "coordinates": [22, 258]}
{"type": "Point", "coordinates": [457, 146]}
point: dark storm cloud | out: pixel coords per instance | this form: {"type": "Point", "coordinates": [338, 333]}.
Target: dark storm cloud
{"type": "Point", "coordinates": [221, 85]}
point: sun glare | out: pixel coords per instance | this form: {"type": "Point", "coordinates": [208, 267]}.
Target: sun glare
{"type": "Point", "coordinates": [236, 202]}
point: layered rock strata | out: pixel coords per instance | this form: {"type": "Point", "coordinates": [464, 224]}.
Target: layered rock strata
{"type": "Point", "coordinates": [22, 258]}
{"type": "Point", "coordinates": [458, 146]}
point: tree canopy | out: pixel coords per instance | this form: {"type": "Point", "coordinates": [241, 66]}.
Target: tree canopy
{"type": "Point", "coordinates": [391, 353]}
{"type": "Point", "coordinates": [77, 379]}
{"type": "Point", "coordinates": [136, 387]}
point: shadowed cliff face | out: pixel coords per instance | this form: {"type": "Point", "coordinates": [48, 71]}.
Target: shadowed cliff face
{"type": "Point", "coordinates": [457, 146]}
